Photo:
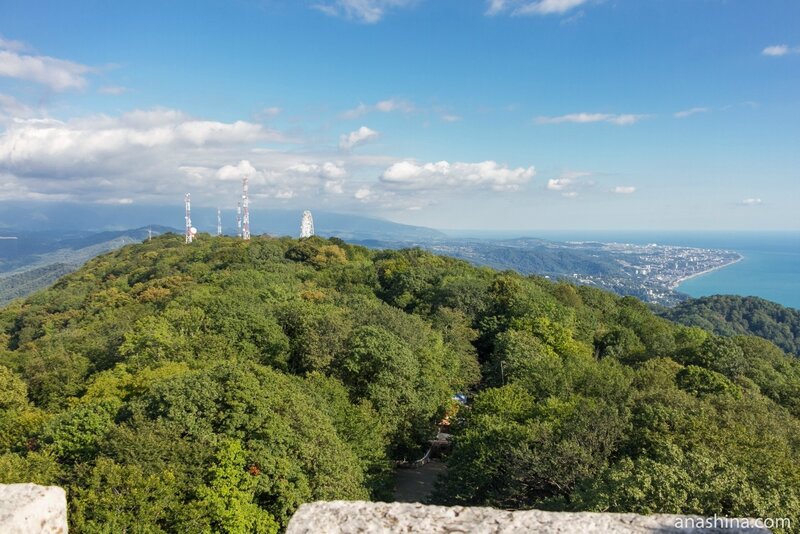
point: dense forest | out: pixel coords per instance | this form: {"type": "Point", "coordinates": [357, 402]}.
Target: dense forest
{"type": "Point", "coordinates": [731, 315]}
{"type": "Point", "coordinates": [20, 284]}
{"type": "Point", "coordinates": [217, 386]}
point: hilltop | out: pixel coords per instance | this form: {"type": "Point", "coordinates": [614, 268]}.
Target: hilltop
{"type": "Point", "coordinates": [732, 315]}
{"type": "Point", "coordinates": [217, 386]}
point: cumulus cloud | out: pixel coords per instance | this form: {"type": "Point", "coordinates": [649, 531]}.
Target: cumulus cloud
{"type": "Point", "coordinates": [236, 172]}
{"type": "Point", "coordinates": [751, 202]}
{"type": "Point", "coordinates": [443, 175]}
{"type": "Point", "coordinates": [689, 112]}
{"type": "Point", "coordinates": [780, 50]}
{"type": "Point", "coordinates": [366, 11]}
{"type": "Point", "coordinates": [362, 193]}
{"type": "Point", "coordinates": [624, 190]}
{"type": "Point", "coordinates": [327, 170]}
{"type": "Point", "coordinates": [384, 106]}
{"type": "Point", "coordinates": [57, 74]}
{"type": "Point", "coordinates": [48, 146]}
{"type": "Point", "coordinates": [146, 153]}
{"type": "Point", "coordinates": [496, 6]}
{"type": "Point", "coordinates": [9, 44]}
{"type": "Point", "coordinates": [585, 118]}
{"type": "Point", "coordinates": [567, 182]}
{"type": "Point", "coordinates": [356, 138]}
{"type": "Point", "coordinates": [157, 155]}
{"type": "Point", "coordinates": [278, 176]}
{"type": "Point", "coordinates": [528, 7]}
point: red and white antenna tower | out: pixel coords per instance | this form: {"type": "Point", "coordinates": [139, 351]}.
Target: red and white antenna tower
{"type": "Point", "coordinates": [245, 211]}
{"type": "Point", "coordinates": [189, 229]}
{"type": "Point", "coordinates": [219, 222]}
{"type": "Point", "coordinates": [239, 219]}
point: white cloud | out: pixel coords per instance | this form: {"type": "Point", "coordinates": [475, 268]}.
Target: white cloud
{"type": "Point", "coordinates": [450, 118]}
{"type": "Point", "coordinates": [387, 106]}
{"type": "Point", "coordinates": [356, 137]}
{"type": "Point", "coordinates": [236, 172]}
{"type": "Point", "coordinates": [780, 50]}
{"type": "Point", "coordinates": [444, 175]}
{"type": "Point", "coordinates": [335, 187]}
{"type": "Point", "coordinates": [362, 193]}
{"type": "Point", "coordinates": [157, 155]}
{"type": "Point", "coordinates": [689, 112]}
{"type": "Point", "coordinates": [112, 90]}
{"type": "Point", "coordinates": [115, 201]}
{"type": "Point", "coordinates": [384, 106]}
{"type": "Point", "coordinates": [549, 7]}
{"type": "Point", "coordinates": [366, 11]}
{"type": "Point", "coordinates": [277, 176]}
{"type": "Point", "coordinates": [624, 190]}
{"type": "Point", "coordinates": [567, 182]}
{"type": "Point", "coordinates": [272, 111]}
{"type": "Point", "coordinates": [585, 118]}
{"type": "Point", "coordinates": [16, 46]}
{"type": "Point", "coordinates": [751, 202]}
{"type": "Point", "coordinates": [138, 154]}
{"type": "Point", "coordinates": [496, 6]}
{"type": "Point", "coordinates": [528, 7]}
{"type": "Point", "coordinates": [57, 74]}
{"type": "Point", "coordinates": [327, 170]}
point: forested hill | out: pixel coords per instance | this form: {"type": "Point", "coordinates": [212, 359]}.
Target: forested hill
{"type": "Point", "coordinates": [730, 315]}
{"type": "Point", "coordinates": [217, 386]}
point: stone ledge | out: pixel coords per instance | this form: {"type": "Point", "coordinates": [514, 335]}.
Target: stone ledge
{"type": "Point", "coordinates": [340, 517]}
{"type": "Point", "coordinates": [32, 509]}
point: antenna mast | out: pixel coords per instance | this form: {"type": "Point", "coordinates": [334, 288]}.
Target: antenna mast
{"type": "Point", "coordinates": [307, 225]}
{"type": "Point", "coordinates": [188, 203]}
{"type": "Point", "coordinates": [219, 222]}
{"type": "Point", "coordinates": [245, 211]}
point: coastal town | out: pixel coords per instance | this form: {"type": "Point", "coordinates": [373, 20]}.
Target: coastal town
{"type": "Point", "coordinates": [653, 272]}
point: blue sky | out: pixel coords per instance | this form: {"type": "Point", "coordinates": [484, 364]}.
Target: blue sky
{"type": "Point", "coordinates": [498, 114]}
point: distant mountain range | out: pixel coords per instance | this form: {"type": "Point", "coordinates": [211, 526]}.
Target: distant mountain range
{"type": "Point", "coordinates": [63, 218]}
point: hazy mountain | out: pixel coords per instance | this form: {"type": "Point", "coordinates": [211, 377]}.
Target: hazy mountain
{"type": "Point", "coordinates": [63, 217]}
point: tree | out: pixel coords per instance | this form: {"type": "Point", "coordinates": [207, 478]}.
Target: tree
{"type": "Point", "coordinates": [225, 503]}
{"type": "Point", "coordinates": [13, 391]}
{"type": "Point", "coordinates": [120, 498]}
{"type": "Point", "coordinates": [379, 367]}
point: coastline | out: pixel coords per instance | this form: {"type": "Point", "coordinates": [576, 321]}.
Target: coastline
{"type": "Point", "coordinates": [674, 285]}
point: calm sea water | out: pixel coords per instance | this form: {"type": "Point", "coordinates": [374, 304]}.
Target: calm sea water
{"type": "Point", "coordinates": [770, 268]}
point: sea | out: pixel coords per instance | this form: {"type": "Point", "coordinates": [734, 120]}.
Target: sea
{"type": "Point", "coordinates": [770, 268]}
